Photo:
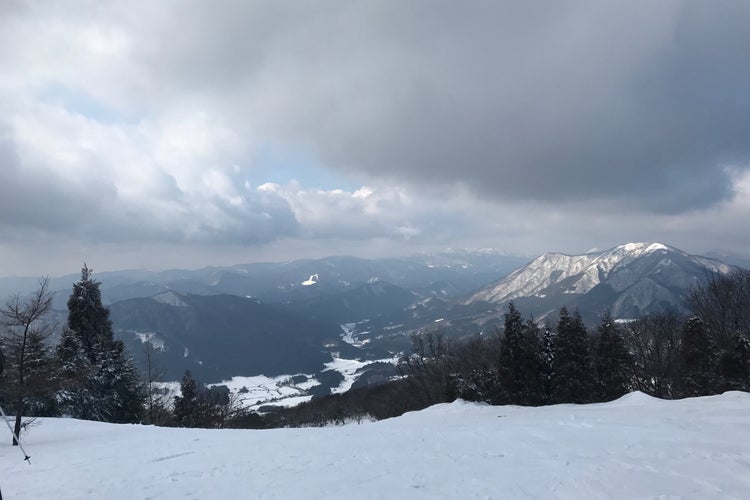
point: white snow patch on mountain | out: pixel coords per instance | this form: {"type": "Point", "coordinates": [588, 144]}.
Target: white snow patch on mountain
{"type": "Point", "coordinates": [350, 333]}
{"type": "Point", "coordinates": [636, 447]}
{"type": "Point", "coordinates": [169, 298]}
{"type": "Point", "coordinates": [152, 338]}
{"type": "Point", "coordinates": [349, 368]}
{"type": "Point", "coordinates": [312, 280]}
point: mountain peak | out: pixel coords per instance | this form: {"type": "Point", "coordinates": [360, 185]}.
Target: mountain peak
{"type": "Point", "coordinates": [642, 247]}
{"type": "Point", "coordinates": [633, 277]}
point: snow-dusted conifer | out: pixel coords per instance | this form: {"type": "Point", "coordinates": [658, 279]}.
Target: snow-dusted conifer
{"type": "Point", "coordinates": [611, 361]}
{"type": "Point", "coordinates": [521, 361]}
{"type": "Point", "coordinates": [112, 390]}
{"type": "Point", "coordinates": [697, 360]}
{"type": "Point", "coordinates": [571, 381]}
{"type": "Point", "coordinates": [88, 317]}
{"type": "Point", "coordinates": [74, 369]}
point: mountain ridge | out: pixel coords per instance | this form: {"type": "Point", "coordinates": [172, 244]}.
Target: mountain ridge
{"type": "Point", "coordinates": [631, 279]}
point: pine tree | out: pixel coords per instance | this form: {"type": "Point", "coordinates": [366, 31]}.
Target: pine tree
{"type": "Point", "coordinates": [112, 391]}
{"type": "Point", "coordinates": [511, 357]}
{"type": "Point", "coordinates": [697, 358]}
{"type": "Point", "coordinates": [87, 317]}
{"type": "Point", "coordinates": [533, 368]}
{"type": "Point", "coordinates": [117, 381]}
{"type": "Point", "coordinates": [187, 406]}
{"type": "Point", "coordinates": [521, 367]}
{"type": "Point", "coordinates": [571, 381]}
{"type": "Point", "coordinates": [611, 362]}
{"type": "Point", "coordinates": [548, 356]}
{"type": "Point", "coordinates": [74, 369]}
{"type": "Point", "coordinates": [734, 365]}
{"type": "Point", "coordinates": [41, 380]}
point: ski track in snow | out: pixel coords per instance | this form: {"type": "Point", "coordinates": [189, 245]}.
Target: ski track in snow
{"type": "Point", "coordinates": [636, 447]}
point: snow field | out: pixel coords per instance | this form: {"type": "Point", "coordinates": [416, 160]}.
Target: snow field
{"type": "Point", "coordinates": [636, 447]}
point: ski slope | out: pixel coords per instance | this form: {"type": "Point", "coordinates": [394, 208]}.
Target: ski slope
{"type": "Point", "coordinates": [636, 447]}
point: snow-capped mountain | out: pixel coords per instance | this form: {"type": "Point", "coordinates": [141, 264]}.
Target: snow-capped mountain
{"type": "Point", "coordinates": [630, 279]}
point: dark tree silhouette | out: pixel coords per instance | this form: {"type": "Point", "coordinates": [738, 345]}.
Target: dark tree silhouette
{"type": "Point", "coordinates": [611, 361]}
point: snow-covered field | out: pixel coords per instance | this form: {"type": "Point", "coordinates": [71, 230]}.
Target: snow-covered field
{"type": "Point", "coordinates": [636, 447]}
{"type": "Point", "coordinates": [259, 390]}
{"type": "Point", "coordinates": [254, 392]}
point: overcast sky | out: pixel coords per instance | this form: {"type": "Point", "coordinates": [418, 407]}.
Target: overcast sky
{"type": "Point", "coordinates": [143, 134]}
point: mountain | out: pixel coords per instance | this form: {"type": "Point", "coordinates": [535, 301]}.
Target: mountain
{"type": "Point", "coordinates": [291, 281]}
{"type": "Point", "coordinates": [221, 336]}
{"type": "Point", "coordinates": [366, 301]}
{"type": "Point", "coordinates": [631, 280]}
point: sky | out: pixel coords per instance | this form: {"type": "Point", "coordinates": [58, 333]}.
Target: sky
{"type": "Point", "coordinates": [141, 134]}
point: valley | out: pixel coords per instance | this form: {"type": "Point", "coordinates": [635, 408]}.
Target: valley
{"type": "Point", "coordinates": [279, 334]}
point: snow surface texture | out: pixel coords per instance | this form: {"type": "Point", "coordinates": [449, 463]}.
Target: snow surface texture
{"type": "Point", "coordinates": [636, 447]}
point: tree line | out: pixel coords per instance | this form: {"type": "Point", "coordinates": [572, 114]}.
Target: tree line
{"type": "Point", "coordinates": [666, 355]}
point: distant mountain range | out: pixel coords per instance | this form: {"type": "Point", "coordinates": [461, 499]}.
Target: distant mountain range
{"type": "Point", "coordinates": [465, 271]}
{"type": "Point", "coordinates": [296, 317]}
{"type": "Point", "coordinates": [275, 319]}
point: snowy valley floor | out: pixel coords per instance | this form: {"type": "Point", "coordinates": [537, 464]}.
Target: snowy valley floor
{"type": "Point", "coordinates": [636, 447]}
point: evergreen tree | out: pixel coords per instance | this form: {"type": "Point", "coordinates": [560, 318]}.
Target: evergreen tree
{"type": "Point", "coordinates": [511, 357]}
{"type": "Point", "coordinates": [734, 365]}
{"type": "Point", "coordinates": [571, 381]}
{"type": "Point", "coordinates": [41, 380]}
{"type": "Point", "coordinates": [548, 356]}
{"type": "Point", "coordinates": [533, 368]}
{"type": "Point", "coordinates": [611, 362]}
{"type": "Point", "coordinates": [521, 368]}
{"type": "Point", "coordinates": [87, 317]}
{"type": "Point", "coordinates": [74, 366]}
{"type": "Point", "coordinates": [697, 360]}
{"type": "Point", "coordinates": [187, 404]}
{"type": "Point", "coordinates": [111, 390]}
{"type": "Point", "coordinates": [118, 382]}
{"type": "Point", "coordinates": [200, 407]}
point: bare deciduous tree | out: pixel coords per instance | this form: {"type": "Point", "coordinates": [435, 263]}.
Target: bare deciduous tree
{"type": "Point", "coordinates": [654, 343]}
{"type": "Point", "coordinates": [723, 304]}
{"type": "Point", "coordinates": [156, 407]}
{"type": "Point", "coordinates": [24, 331]}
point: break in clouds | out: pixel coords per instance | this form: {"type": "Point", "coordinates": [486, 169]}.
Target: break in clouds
{"type": "Point", "coordinates": [147, 120]}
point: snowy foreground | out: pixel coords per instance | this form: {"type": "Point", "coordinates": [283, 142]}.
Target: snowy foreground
{"type": "Point", "coordinates": [636, 447]}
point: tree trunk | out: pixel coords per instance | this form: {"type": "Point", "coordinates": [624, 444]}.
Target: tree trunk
{"type": "Point", "coordinates": [17, 427]}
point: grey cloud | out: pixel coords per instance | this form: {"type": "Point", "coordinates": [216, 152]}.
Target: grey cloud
{"type": "Point", "coordinates": [638, 103]}
{"type": "Point", "coordinates": [43, 199]}
{"type": "Point", "coordinates": [583, 111]}
{"type": "Point", "coordinates": [30, 202]}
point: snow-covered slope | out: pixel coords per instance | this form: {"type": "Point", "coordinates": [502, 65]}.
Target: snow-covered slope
{"type": "Point", "coordinates": [637, 275]}
{"type": "Point", "coordinates": [636, 447]}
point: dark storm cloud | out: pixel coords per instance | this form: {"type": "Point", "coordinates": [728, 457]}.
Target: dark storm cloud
{"type": "Point", "coordinates": [640, 103]}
